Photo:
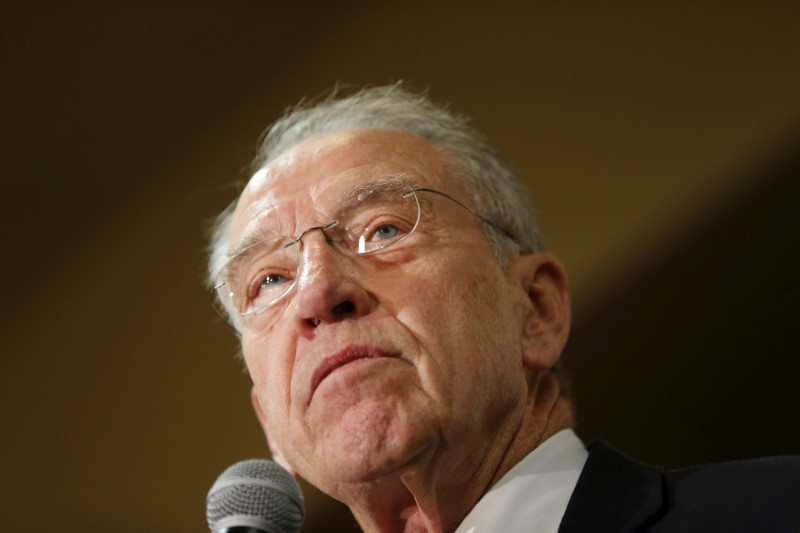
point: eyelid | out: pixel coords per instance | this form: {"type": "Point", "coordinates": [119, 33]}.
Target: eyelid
{"type": "Point", "coordinates": [236, 263]}
{"type": "Point", "coordinates": [254, 280]}
{"type": "Point", "coordinates": [386, 186]}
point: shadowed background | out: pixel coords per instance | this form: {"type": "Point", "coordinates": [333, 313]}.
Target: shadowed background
{"type": "Point", "coordinates": [661, 146]}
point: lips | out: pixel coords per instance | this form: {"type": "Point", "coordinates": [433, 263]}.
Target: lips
{"type": "Point", "coordinates": [343, 357]}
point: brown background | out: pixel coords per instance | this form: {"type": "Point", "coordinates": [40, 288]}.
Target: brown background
{"type": "Point", "coordinates": [659, 143]}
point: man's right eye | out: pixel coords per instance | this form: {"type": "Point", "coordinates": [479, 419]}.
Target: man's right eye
{"type": "Point", "coordinates": [272, 282]}
{"type": "Point", "coordinates": [266, 288]}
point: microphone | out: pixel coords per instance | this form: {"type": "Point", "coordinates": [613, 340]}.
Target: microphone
{"type": "Point", "coordinates": [255, 496]}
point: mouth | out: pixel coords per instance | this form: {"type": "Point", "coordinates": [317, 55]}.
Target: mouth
{"type": "Point", "coordinates": [343, 357]}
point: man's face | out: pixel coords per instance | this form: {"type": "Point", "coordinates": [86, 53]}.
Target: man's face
{"type": "Point", "coordinates": [374, 364]}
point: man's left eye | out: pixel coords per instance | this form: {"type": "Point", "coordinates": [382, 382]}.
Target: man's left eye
{"type": "Point", "coordinates": [386, 231]}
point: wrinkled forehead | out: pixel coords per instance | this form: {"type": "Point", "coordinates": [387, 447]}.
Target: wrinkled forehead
{"type": "Point", "coordinates": [301, 186]}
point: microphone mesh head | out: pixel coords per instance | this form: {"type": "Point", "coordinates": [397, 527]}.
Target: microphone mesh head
{"type": "Point", "coordinates": [256, 488]}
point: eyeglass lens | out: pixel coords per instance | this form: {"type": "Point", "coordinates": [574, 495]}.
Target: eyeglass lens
{"type": "Point", "coordinates": [262, 274]}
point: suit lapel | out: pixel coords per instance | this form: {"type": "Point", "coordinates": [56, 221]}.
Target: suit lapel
{"type": "Point", "coordinates": [613, 493]}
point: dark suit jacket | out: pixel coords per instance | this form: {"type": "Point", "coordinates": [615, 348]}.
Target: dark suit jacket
{"type": "Point", "coordinates": [616, 494]}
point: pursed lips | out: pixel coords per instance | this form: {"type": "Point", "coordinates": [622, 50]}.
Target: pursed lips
{"type": "Point", "coordinates": [343, 357]}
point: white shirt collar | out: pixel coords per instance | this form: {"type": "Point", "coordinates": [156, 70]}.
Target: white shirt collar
{"type": "Point", "coordinates": [533, 495]}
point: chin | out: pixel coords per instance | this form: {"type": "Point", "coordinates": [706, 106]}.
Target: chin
{"type": "Point", "coordinates": [372, 442]}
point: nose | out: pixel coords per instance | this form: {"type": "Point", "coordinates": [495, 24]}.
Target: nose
{"type": "Point", "coordinates": [327, 289]}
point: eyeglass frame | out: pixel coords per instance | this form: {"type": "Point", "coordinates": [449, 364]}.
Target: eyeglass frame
{"type": "Point", "coordinates": [226, 316]}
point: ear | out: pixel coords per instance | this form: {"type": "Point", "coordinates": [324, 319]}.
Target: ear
{"type": "Point", "coordinates": [277, 454]}
{"type": "Point", "coordinates": [546, 307]}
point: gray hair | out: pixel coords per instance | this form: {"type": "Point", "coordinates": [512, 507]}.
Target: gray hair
{"type": "Point", "coordinates": [494, 188]}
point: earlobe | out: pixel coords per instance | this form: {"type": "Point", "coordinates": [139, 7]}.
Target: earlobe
{"type": "Point", "coordinates": [277, 454]}
{"type": "Point", "coordinates": [547, 311]}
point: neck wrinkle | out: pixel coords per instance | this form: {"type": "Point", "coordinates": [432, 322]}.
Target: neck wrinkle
{"type": "Point", "coordinates": [413, 502]}
{"type": "Point", "coordinates": [547, 412]}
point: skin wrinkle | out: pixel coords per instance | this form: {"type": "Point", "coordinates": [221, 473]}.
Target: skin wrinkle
{"type": "Point", "coordinates": [387, 436]}
{"type": "Point", "coordinates": [343, 202]}
{"type": "Point", "coordinates": [467, 476]}
{"type": "Point", "coordinates": [310, 266]}
{"type": "Point", "coordinates": [289, 396]}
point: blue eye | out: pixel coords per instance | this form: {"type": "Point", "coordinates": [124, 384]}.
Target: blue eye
{"type": "Point", "coordinates": [387, 231]}
{"type": "Point", "coordinates": [271, 281]}
{"type": "Point", "coordinates": [266, 290]}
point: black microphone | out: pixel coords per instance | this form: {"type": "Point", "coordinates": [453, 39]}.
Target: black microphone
{"type": "Point", "coordinates": [255, 496]}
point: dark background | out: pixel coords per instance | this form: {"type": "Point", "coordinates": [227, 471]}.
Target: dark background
{"type": "Point", "coordinates": [659, 143]}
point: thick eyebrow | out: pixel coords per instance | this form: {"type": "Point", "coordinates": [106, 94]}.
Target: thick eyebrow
{"type": "Point", "coordinates": [343, 201]}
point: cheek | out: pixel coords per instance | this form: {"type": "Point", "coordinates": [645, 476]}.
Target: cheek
{"type": "Point", "coordinates": [267, 353]}
{"type": "Point", "coordinates": [454, 314]}
{"type": "Point", "coordinates": [266, 377]}
{"type": "Point", "coordinates": [252, 361]}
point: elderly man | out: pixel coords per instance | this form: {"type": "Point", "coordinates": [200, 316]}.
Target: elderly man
{"type": "Point", "coordinates": [402, 327]}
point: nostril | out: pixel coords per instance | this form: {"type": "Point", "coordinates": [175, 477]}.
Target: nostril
{"type": "Point", "coordinates": [338, 311]}
{"type": "Point", "coordinates": [343, 308]}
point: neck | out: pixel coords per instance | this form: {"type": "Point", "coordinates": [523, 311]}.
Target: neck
{"type": "Point", "coordinates": [424, 497]}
